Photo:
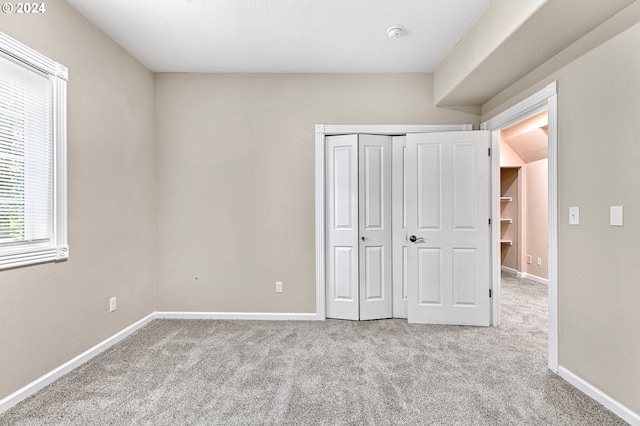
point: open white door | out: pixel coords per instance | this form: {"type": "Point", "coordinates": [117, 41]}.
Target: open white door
{"type": "Point", "coordinates": [448, 225]}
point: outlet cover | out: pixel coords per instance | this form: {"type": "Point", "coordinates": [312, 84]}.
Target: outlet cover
{"type": "Point", "coordinates": [278, 286]}
{"type": "Point", "coordinates": [574, 215]}
{"type": "Point", "coordinates": [112, 304]}
{"type": "Point", "coordinates": [539, 261]}
{"type": "Point", "coordinates": [617, 216]}
{"type": "Point", "coordinates": [529, 259]}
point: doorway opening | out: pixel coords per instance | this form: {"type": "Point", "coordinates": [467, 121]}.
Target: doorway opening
{"type": "Point", "coordinates": [542, 102]}
{"type": "Point", "coordinates": [524, 230]}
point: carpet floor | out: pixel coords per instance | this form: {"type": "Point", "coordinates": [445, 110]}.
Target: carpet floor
{"type": "Point", "coordinates": [178, 372]}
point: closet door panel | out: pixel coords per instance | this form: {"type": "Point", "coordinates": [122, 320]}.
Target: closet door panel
{"type": "Point", "coordinates": [342, 292]}
{"type": "Point", "coordinates": [399, 231]}
{"type": "Point", "coordinates": [375, 226]}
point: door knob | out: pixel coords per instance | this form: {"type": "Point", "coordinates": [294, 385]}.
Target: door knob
{"type": "Point", "coordinates": [413, 238]}
{"type": "Point", "coordinates": [362, 238]}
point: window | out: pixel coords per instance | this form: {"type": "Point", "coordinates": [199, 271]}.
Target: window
{"type": "Point", "coordinates": [33, 200]}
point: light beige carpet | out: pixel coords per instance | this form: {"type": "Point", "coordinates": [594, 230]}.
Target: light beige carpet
{"type": "Point", "coordinates": [177, 372]}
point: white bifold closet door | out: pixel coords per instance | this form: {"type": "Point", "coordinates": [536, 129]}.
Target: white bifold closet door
{"type": "Point", "coordinates": [399, 232]}
{"type": "Point", "coordinates": [359, 227]}
{"type": "Point", "coordinates": [434, 265]}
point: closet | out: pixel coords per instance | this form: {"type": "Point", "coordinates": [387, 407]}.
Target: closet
{"type": "Point", "coordinates": [407, 227]}
{"type": "Point", "coordinates": [510, 183]}
{"type": "Point", "coordinates": [524, 198]}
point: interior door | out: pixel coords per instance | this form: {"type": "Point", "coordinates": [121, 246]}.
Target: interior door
{"type": "Point", "coordinates": [359, 265]}
{"type": "Point", "coordinates": [399, 231]}
{"type": "Point", "coordinates": [375, 226]}
{"type": "Point", "coordinates": [342, 247]}
{"type": "Point", "coordinates": [448, 225]}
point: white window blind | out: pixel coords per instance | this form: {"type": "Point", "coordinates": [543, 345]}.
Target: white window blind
{"type": "Point", "coordinates": [33, 131]}
{"type": "Point", "coordinates": [26, 155]}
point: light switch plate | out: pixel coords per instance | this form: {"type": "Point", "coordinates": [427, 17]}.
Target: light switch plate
{"type": "Point", "coordinates": [617, 216]}
{"type": "Point", "coordinates": [574, 215]}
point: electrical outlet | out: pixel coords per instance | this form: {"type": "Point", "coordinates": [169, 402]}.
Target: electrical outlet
{"type": "Point", "coordinates": [278, 286]}
{"type": "Point", "coordinates": [539, 261]}
{"type": "Point", "coordinates": [529, 259]}
{"type": "Point", "coordinates": [112, 304]}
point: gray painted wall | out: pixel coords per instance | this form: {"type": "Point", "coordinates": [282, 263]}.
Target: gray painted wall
{"type": "Point", "coordinates": [49, 313]}
{"type": "Point", "coordinates": [236, 176]}
{"type": "Point", "coordinates": [598, 155]}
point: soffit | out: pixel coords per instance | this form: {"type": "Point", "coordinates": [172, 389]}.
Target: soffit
{"type": "Point", "coordinates": [555, 25]}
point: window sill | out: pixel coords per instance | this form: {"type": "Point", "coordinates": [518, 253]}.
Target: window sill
{"type": "Point", "coordinates": [31, 255]}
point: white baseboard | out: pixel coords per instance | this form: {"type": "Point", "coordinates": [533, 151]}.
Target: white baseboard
{"type": "Point", "coordinates": [509, 270]}
{"type": "Point", "coordinates": [620, 410]}
{"type": "Point", "coordinates": [524, 275]}
{"type": "Point", "coordinates": [534, 278]}
{"type": "Point", "coordinates": [237, 316]}
{"type": "Point", "coordinates": [65, 368]}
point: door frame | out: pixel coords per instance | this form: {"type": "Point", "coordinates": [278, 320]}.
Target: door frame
{"type": "Point", "coordinates": [543, 100]}
{"type": "Point", "coordinates": [323, 130]}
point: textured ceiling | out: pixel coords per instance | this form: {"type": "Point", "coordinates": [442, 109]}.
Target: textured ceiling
{"type": "Point", "coordinates": [529, 139]}
{"type": "Point", "coordinates": [284, 35]}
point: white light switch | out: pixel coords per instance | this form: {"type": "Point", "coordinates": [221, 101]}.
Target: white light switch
{"type": "Point", "coordinates": [574, 215]}
{"type": "Point", "coordinates": [617, 216]}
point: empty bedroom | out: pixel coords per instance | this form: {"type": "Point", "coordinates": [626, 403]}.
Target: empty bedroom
{"type": "Point", "coordinates": [292, 212]}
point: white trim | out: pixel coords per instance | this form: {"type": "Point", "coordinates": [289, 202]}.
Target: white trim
{"type": "Point", "coordinates": [320, 227]}
{"type": "Point", "coordinates": [535, 278]}
{"type": "Point", "coordinates": [524, 275]}
{"type": "Point", "coordinates": [30, 57]}
{"type": "Point", "coordinates": [496, 246]}
{"type": "Point", "coordinates": [552, 262]}
{"type": "Point", "coordinates": [389, 129]}
{"type": "Point", "coordinates": [522, 110]}
{"type": "Point", "coordinates": [45, 380]}
{"type": "Point", "coordinates": [614, 406]}
{"type": "Point", "coordinates": [509, 270]}
{"type": "Point", "coordinates": [57, 249]}
{"type": "Point", "coordinates": [263, 316]}
{"type": "Point", "coordinates": [323, 130]}
{"type": "Point", "coordinates": [545, 99]}
{"type": "Point", "coordinates": [60, 168]}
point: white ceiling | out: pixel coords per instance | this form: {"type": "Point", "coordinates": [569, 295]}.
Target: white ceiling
{"type": "Point", "coordinates": [293, 36]}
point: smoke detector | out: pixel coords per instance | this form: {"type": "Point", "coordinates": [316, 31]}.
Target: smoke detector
{"type": "Point", "coordinates": [395, 31]}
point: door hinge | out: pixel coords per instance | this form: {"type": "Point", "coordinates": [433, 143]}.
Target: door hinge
{"type": "Point", "coordinates": [489, 221]}
{"type": "Point", "coordinates": [489, 293]}
{"type": "Point", "coordinates": [489, 152]}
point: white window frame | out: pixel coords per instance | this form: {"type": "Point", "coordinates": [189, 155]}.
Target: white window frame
{"type": "Point", "coordinates": [56, 249]}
